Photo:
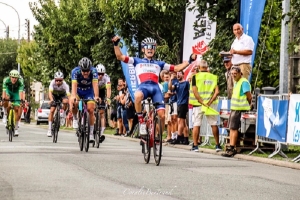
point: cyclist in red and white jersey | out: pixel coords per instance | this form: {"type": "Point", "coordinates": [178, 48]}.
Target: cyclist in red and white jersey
{"type": "Point", "coordinates": [147, 72]}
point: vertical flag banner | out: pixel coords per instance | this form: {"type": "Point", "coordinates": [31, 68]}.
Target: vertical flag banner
{"type": "Point", "coordinates": [272, 118]}
{"type": "Point", "coordinates": [293, 134]}
{"type": "Point", "coordinates": [250, 18]}
{"type": "Point", "coordinates": [129, 72]}
{"type": "Point", "coordinates": [194, 40]}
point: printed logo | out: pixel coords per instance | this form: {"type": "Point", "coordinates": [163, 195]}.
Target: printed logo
{"type": "Point", "coordinates": [200, 48]}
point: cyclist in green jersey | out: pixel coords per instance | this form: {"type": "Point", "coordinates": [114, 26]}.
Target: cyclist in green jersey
{"type": "Point", "coordinates": [13, 87]}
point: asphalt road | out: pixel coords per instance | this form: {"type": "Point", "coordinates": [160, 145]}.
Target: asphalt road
{"type": "Point", "coordinates": [32, 167]}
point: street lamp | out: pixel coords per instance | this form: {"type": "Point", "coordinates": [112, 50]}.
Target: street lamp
{"type": "Point", "coordinates": [3, 23]}
{"type": "Point", "coordinates": [18, 30]}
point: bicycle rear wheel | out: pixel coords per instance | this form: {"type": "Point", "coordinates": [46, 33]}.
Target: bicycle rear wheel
{"type": "Point", "coordinates": [87, 131]}
{"type": "Point", "coordinates": [81, 132]}
{"type": "Point", "coordinates": [157, 147]}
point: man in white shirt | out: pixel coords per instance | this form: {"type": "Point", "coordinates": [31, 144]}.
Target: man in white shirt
{"type": "Point", "coordinates": [241, 50]}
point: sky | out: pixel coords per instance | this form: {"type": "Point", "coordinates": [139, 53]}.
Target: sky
{"type": "Point", "coordinates": [10, 18]}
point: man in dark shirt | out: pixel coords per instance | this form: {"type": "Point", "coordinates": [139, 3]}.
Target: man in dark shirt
{"type": "Point", "coordinates": [173, 105]}
{"type": "Point", "coordinates": [181, 88]}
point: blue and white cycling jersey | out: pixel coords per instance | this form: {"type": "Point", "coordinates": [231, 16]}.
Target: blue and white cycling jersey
{"type": "Point", "coordinates": [84, 85]}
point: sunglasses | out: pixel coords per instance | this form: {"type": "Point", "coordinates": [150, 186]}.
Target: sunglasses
{"type": "Point", "coordinates": [226, 61]}
{"type": "Point", "coordinates": [150, 46]}
{"type": "Point", "coordinates": [100, 74]}
{"type": "Point", "coordinates": [58, 80]}
{"type": "Point", "coordinates": [84, 71]}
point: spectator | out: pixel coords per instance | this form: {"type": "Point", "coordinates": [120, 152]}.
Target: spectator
{"type": "Point", "coordinates": [229, 79]}
{"type": "Point", "coordinates": [173, 106]}
{"type": "Point", "coordinates": [240, 102]}
{"type": "Point", "coordinates": [241, 50]}
{"type": "Point", "coordinates": [69, 119]}
{"type": "Point", "coordinates": [113, 118]}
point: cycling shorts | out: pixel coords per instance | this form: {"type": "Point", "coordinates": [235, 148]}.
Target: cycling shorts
{"type": "Point", "coordinates": [87, 94]}
{"type": "Point", "coordinates": [14, 96]}
{"type": "Point", "coordinates": [151, 89]}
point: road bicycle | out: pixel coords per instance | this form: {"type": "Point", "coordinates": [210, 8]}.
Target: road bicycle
{"type": "Point", "coordinates": [83, 131]}
{"type": "Point", "coordinates": [153, 139]}
{"type": "Point", "coordinates": [10, 124]}
{"type": "Point", "coordinates": [56, 121]}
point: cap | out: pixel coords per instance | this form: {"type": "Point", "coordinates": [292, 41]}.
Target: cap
{"type": "Point", "coordinates": [226, 58]}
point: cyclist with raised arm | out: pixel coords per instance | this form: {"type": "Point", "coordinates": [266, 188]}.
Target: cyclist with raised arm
{"type": "Point", "coordinates": [147, 72]}
{"type": "Point", "coordinates": [104, 94]}
{"type": "Point", "coordinates": [84, 86]}
{"type": "Point", "coordinates": [59, 90]}
{"type": "Point", "coordinates": [13, 88]}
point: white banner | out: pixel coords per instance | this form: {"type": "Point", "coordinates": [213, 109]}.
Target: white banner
{"type": "Point", "coordinates": [194, 40]}
{"type": "Point", "coordinates": [293, 134]}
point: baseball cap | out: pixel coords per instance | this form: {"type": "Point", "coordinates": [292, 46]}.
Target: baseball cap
{"type": "Point", "coordinates": [226, 58]}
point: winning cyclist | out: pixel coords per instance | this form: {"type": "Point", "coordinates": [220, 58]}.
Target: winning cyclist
{"type": "Point", "coordinates": [104, 90]}
{"type": "Point", "coordinates": [13, 88]}
{"type": "Point", "coordinates": [58, 90]}
{"type": "Point", "coordinates": [84, 86]}
{"type": "Point", "coordinates": [147, 72]}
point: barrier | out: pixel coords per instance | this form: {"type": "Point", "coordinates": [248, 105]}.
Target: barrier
{"type": "Point", "coordinates": [261, 139]}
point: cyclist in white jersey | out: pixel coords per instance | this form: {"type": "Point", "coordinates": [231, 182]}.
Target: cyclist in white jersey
{"type": "Point", "coordinates": [58, 90]}
{"type": "Point", "coordinates": [104, 94]}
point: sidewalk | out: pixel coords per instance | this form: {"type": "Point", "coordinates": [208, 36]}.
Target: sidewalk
{"type": "Point", "coordinates": [269, 161]}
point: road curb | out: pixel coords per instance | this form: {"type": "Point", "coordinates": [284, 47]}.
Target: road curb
{"type": "Point", "coordinates": [269, 161]}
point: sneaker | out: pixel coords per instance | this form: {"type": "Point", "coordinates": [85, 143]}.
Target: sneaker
{"type": "Point", "coordinates": [218, 148]}
{"type": "Point", "coordinates": [92, 138]}
{"type": "Point", "coordinates": [16, 132]}
{"type": "Point", "coordinates": [143, 130]}
{"type": "Point", "coordinates": [229, 153]}
{"type": "Point", "coordinates": [49, 134]}
{"type": "Point", "coordinates": [4, 119]}
{"type": "Point", "coordinates": [75, 123]}
{"type": "Point", "coordinates": [195, 148]}
{"type": "Point", "coordinates": [102, 138]}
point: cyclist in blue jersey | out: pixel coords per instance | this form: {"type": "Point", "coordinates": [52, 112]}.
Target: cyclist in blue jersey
{"type": "Point", "coordinates": [147, 72]}
{"type": "Point", "coordinates": [84, 86]}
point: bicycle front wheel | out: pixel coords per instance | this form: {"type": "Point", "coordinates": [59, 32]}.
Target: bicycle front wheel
{"type": "Point", "coordinates": [157, 147]}
{"type": "Point", "coordinates": [81, 132]}
{"type": "Point", "coordinates": [97, 130]}
{"type": "Point", "coordinates": [10, 124]}
{"type": "Point", "coordinates": [87, 131]}
{"type": "Point", "coordinates": [57, 124]}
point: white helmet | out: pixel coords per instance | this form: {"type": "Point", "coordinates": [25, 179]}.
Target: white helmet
{"type": "Point", "coordinates": [58, 75]}
{"type": "Point", "coordinates": [100, 68]}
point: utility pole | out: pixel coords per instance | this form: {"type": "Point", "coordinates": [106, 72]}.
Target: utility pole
{"type": "Point", "coordinates": [28, 29]}
{"type": "Point", "coordinates": [7, 32]}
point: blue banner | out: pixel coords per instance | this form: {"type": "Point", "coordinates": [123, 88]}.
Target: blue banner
{"type": "Point", "coordinates": [272, 118]}
{"type": "Point", "coordinates": [250, 18]}
{"type": "Point", "coordinates": [129, 72]}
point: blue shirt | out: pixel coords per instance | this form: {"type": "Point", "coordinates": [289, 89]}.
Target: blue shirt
{"type": "Point", "coordinates": [245, 88]}
{"type": "Point", "coordinates": [84, 83]}
{"type": "Point", "coordinates": [182, 92]}
{"type": "Point", "coordinates": [165, 87]}
{"type": "Point", "coordinates": [174, 97]}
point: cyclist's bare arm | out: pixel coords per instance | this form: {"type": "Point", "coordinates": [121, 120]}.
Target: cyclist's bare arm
{"type": "Point", "coordinates": [108, 91]}
{"type": "Point", "coordinates": [96, 88]}
{"type": "Point", "coordinates": [181, 66]}
{"type": "Point", "coordinates": [117, 49]}
{"type": "Point", "coordinates": [74, 89]}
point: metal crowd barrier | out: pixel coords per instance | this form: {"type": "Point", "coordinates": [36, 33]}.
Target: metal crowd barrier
{"type": "Point", "coordinates": [261, 139]}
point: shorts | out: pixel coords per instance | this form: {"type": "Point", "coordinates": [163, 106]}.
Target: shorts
{"type": "Point", "coordinates": [182, 111]}
{"type": "Point", "coordinates": [130, 112]}
{"type": "Point", "coordinates": [167, 114]}
{"type": "Point", "coordinates": [14, 96]}
{"type": "Point", "coordinates": [58, 97]}
{"type": "Point", "coordinates": [86, 94]}
{"type": "Point", "coordinates": [113, 116]}
{"type": "Point", "coordinates": [245, 69]}
{"type": "Point", "coordinates": [151, 89]}
{"type": "Point", "coordinates": [174, 111]}
{"type": "Point", "coordinates": [234, 120]}
{"type": "Point", "coordinates": [102, 97]}
{"type": "Point", "coordinates": [119, 112]}
{"type": "Point", "coordinates": [198, 116]}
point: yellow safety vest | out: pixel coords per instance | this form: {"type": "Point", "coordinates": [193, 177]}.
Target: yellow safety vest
{"type": "Point", "coordinates": [206, 84]}
{"type": "Point", "coordinates": [239, 102]}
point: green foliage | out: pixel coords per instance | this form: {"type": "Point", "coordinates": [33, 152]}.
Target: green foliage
{"type": "Point", "coordinates": [294, 17]}
{"type": "Point", "coordinates": [8, 54]}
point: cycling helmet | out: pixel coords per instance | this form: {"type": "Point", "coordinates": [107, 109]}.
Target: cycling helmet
{"type": "Point", "coordinates": [148, 40]}
{"type": "Point", "coordinates": [100, 68]}
{"type": "Point", "coordinates": [14, 73]}
{"type": "Point", "coordinates": [85, 63]}
{"type": "Point", "coordinates": [58, 75]}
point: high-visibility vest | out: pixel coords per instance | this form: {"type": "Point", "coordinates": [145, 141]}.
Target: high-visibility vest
{"type": "Point", "coordinates": [206, 84]}
{"type": "Point", "coordinates": [239, 102]}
